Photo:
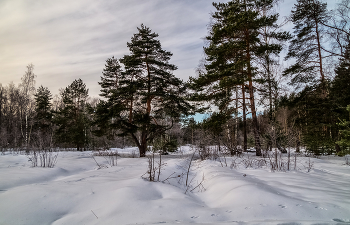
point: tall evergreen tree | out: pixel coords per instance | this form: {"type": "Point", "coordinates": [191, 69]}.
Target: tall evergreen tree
{"type": "Point", "coordinates": [110, 76]}
{"type": "Point", "coordinates": [307, 47]}
{"type": "Point", "coordinates": [71, 119]}
{"type": "Point", "coordinates": [43, 116]}
{"type": "Point", "coordinates": [317, 119]}
{"type": "Point", "coordinates": [340, 90]}
{"type": "Point", "coordinates": [234, 45]}
{"type": "Point", "coordinates": [146, 93]}
{"type": "Point", "coordinates": [43, 104]}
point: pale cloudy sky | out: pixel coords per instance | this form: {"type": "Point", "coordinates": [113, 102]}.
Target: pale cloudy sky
{"type": "Point", "coordinates": [70, 39]}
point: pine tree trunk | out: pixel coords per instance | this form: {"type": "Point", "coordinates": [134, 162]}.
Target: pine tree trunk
{"type": "Point", "coordinates": [298, 145]}
{"type": "Point", "coordinates": [255, 126]}
{"type": "Point", "coordinates": [319, 53]}
{"type": "Point", "coordinates": [251, 92]}
{"type": "Point", "coordinates": [143, 143]}
{"type": "Point", "coordinates": [236, 125]}
{"type": "Point", "coordinates": [253, 110]}
{"type": "Point", "coordinates": [140, 144]}
{"type": "Point", "coordinates": [271, 115]}
{"type": "Point", "coordinates": [245, 140]}
{"type": "Point", "coordinates": [143, 148]}
{"type": "Point", "coordinates": [337, 148]}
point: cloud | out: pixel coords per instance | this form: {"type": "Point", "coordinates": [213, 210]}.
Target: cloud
{"type": "Point", "coordinates": [70, 39]}
{"type": "Point", "coordinates": [66, 39]}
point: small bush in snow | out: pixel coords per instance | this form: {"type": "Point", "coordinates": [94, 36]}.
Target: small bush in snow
{"type": "Point", "coordinates": [186, 179]}
{"type": "Point", "coordinates": [154, 168]}
{"type": "Point", "coordinates": [110, 156]}
{"type": "Point", "coordinates": [46, 158]}
{"type": "Point", "coordinates": [309, 165]}
{"type": "Point", "coordinates": [275, 161]}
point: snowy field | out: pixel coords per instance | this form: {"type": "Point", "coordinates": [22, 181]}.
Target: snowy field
{"type": "Point", "coordinates": [77, 191]}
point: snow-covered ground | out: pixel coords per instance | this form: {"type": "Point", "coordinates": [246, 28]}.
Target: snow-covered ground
{"type": "Point", "coordinates": [75, 191]}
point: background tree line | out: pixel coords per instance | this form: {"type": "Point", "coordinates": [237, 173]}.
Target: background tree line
{"type": "Point", "coordinates": [251, 98]}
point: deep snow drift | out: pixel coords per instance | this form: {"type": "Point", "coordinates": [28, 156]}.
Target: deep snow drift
{"type": "Point", "coordinates": [75, 191]}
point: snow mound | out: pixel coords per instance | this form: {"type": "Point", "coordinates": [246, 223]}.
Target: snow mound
{"type": "Point", "coordinates": [74, 192]}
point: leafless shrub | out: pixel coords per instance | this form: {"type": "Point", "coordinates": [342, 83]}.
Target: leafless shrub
{"type": "Point", "coordinates": [247, 161]}
{"type": "Point", "coordinates": [279, 163]}
{"type": "Point", "coordinates": [347, 160]}
{"type": "Point", "coordinates": [204, 151]}
{"type": "Point", "coordinates": [172, 176]}
{"type": "Point", "coordinates": [187, 179]}
{"type": "Point", "coordinates": [154, 168]}
{"type": "Point", "coordinates": [110, 156]}
{"type": "Point", "coordinates": [189, 167]}
{"type": "Point", "coordinates": [223, 160]}
{"type": "Point", "coordinates": [33, 158]}
{"type": "Point", "coordinates": [295, 159]}
{"type": "Point", "coordinates": [309, 165]}
{"type": "Point", "coordinates": [216, 153]}
{"type": "Point", "coordinates": [189, 184]}
{"type": "Point", "coordinates": [191, 187]}
{"type": "Point", "coordinates": [235, 163]}
{"type": "Point", "coordinates": [259, 163]}
{"type": "Point", "coordinates": [100, 166]}
{"type": "Point", "coordinates": [274, 160]}
{"type": "Point", "coordinates": [47, 158]}
{"type": "Point", "coordinates": [151, 168]}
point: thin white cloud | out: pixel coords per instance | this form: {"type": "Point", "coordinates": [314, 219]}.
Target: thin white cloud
{"type": "Point", "coordinates": [70, 39]}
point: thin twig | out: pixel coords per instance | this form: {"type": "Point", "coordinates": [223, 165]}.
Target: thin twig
{"type": "Point", "coordinates": [94, 213]}
{"type": "Point", "coordinates": [198, 184]}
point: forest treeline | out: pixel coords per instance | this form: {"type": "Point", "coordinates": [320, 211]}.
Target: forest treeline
{"type": "Point", "coordinates": [261, 87]}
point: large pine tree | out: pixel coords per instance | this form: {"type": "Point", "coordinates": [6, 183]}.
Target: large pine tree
{"type": "Point", "coordinates": [307, 47]}
{"type": "Point", "coordinates": [71, 119]}
{"type": "Point", "coordinates": [234, 46]}
{"type": "Point", "coordinates": [147, 92]}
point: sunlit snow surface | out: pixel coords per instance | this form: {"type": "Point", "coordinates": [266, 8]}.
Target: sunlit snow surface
{"type": "Point", "coordinates": [77, 192]}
